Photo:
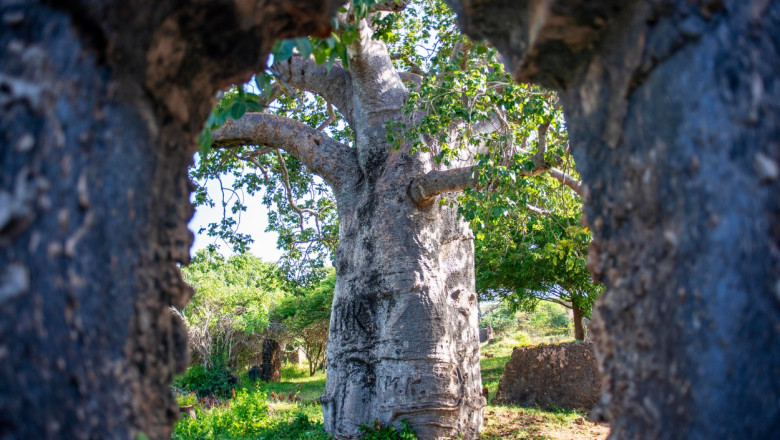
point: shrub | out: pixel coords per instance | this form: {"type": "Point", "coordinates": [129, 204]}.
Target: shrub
{"type": "Point", "coordinates": [300, 427]}
{"type": "Point", "coordinates": [550, 319]}
{"type": "Point", "coordinates": [522, 340]}
{"type": "Point", "coordinates": [228, 314]}
{"type": "Point", "coordinates": [244, 417]}
{"type": "Point", "coordinates": [217, 381]}
{"type": "Point", "coordinates": [186, 399]}
{"type": "Point", "coordinates": [500, 318]}
{"type": "Point", "coordinates": [377, 431]}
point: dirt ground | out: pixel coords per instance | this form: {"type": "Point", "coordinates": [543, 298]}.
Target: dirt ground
{"type": "Point", "coordinates": [511, 422]}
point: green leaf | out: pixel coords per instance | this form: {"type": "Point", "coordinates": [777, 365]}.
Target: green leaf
{"type": "Point", "coordinates": [263, 83]}
{"type": "Point", "coordinates": [283, 50]}
{"type": "Point", "coordinates": [204, 142]}
{"type": "Point", "coordinates": [321, 55]}
{"type": "Point", "coordinates": [238, 109]}
{"type": "Point", "coordinates": [304, 47]}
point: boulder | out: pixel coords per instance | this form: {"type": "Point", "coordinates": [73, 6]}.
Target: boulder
{"type": "Point", "coordinates": [563, 375]}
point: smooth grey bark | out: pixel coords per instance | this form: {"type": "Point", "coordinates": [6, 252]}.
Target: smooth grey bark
{"type": "Point", "coordinates": [403, 337]}
{"type": "Point", "coordinates": [673, 115]}
{"type": "Point", "coordinates": [101, 102]}
{"type": "Point", "coordinates": [403, 341]}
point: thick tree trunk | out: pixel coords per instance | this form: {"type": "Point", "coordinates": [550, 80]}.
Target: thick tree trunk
{"type": "Point", "coordinates": [579, 328]}
{"type": "Point", "coordinates": [101, 102]}
{"type": "Point", "coordinates": [271, 365]}
{"type": "Point", "coordinates": [673, 115]}
{"type": "Point", "coordinates": [403, 339]}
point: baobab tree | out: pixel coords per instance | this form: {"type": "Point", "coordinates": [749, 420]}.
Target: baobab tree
{"type": "Point", "coordinates": [403, 333]}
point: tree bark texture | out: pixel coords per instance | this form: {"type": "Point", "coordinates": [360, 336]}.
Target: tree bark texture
{"type": "Point", "coordinates": [101, 103]}
{"type": "Point", "coordinates": [271, 365]}
{"type": "Point", "coordinates": [673, 114]}
{"type": "Point", "coordinates": [403, 341]}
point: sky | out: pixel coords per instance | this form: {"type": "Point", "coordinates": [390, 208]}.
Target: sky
{"type": "Point", "coordinates": [253, 222]}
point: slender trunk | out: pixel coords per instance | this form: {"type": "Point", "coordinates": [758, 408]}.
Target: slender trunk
{"type": "Point", "coordinates": [403, 341]}
{"type": "Point", "coordinates": [673, 118]}
{"type": "Point", "coordinates": [579, 329]}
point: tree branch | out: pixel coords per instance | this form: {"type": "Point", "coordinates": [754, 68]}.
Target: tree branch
{"type": "Point", "coordinates": [567, 180]}
{"type": "Point", "coordinates": [334, 85]}
{"type": "Point", "coordinates": [378, 89]}
{"type": "Point", "coordinates": [390, 5]}
{"type": "Point", "coordinates": [331, 118]}
{"type": "Point", "coordinates": [324, 156]}
{"type": "Point", "coordinates": [424, 188]}
{"type": "Point", "coordinates": [537, 210]}
{"type": "Point", "coordinates": [411, 77]}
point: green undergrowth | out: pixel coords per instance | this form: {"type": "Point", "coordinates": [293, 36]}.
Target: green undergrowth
{"type": "Point", "coordinates": [259, 411]}
{"type": "Point", "coordinates": [265, 410]}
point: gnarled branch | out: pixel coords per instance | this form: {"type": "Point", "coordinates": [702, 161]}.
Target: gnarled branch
{"type": "Point", "coordinates": [324, 156]}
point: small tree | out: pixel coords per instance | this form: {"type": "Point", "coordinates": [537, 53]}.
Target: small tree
{"type": "Point", "coordinates": [229, 312]}
{"type": "Point", "coordinates": [307, 317]}
{"type": "Point", "coordinates": [542, 258]}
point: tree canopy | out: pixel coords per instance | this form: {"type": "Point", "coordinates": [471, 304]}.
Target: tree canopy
{"type": "Point", "coordinates": [511, 138]}
{"type": "Point", "coordinates": [231, 305]}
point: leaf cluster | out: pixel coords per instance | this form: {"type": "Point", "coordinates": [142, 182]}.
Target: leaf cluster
{"type": "Point", "coordinates": [543, 258]}
{"type": "Point", "coordinates": [230, 308]}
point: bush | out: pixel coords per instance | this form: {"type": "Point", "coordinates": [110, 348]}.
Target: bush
{"type": "Point", "coordinates": [522, 340]}
{"type": "Point", "coordinates": [218, 381]}
{"type": "Point", "coordinates": [500, 318]}
{"type": "Point", "coordinates": [550, 319]}
{"type": "Point", "coordinates": [244, 417]}
{"type": "Point", "coordinates": [379, 432]}
{"type": "Point", "coordinates": [186, 399]}
{"type": "Point", "coordinates": [300, 427]}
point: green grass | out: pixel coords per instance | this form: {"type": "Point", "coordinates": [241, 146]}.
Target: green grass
{"type": "Point", "coordinates": [295, 380]}
{"type": "Point", "coordinates": [298, 420]}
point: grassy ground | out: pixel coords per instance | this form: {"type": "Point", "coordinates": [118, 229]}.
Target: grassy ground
{"type": "Point", "coordinates": [302, 419]}
{"type": "Point", "coordinates": [296, 380]}
{"type": "Point", "coordinates": [515, 422]}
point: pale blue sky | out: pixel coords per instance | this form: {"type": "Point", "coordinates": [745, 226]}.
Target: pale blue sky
{"type": "Point", "coordinates": [253, 222]}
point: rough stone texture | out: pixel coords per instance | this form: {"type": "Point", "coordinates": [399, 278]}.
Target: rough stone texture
{"type": "Point", "coordinates": [564, 375]}
{"type": "Point", "coordinates": [673, 109]}
{"type": "Point", "coordinates": [101, 102]}
{"type": "Point", "coordinates": [271, 366]}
